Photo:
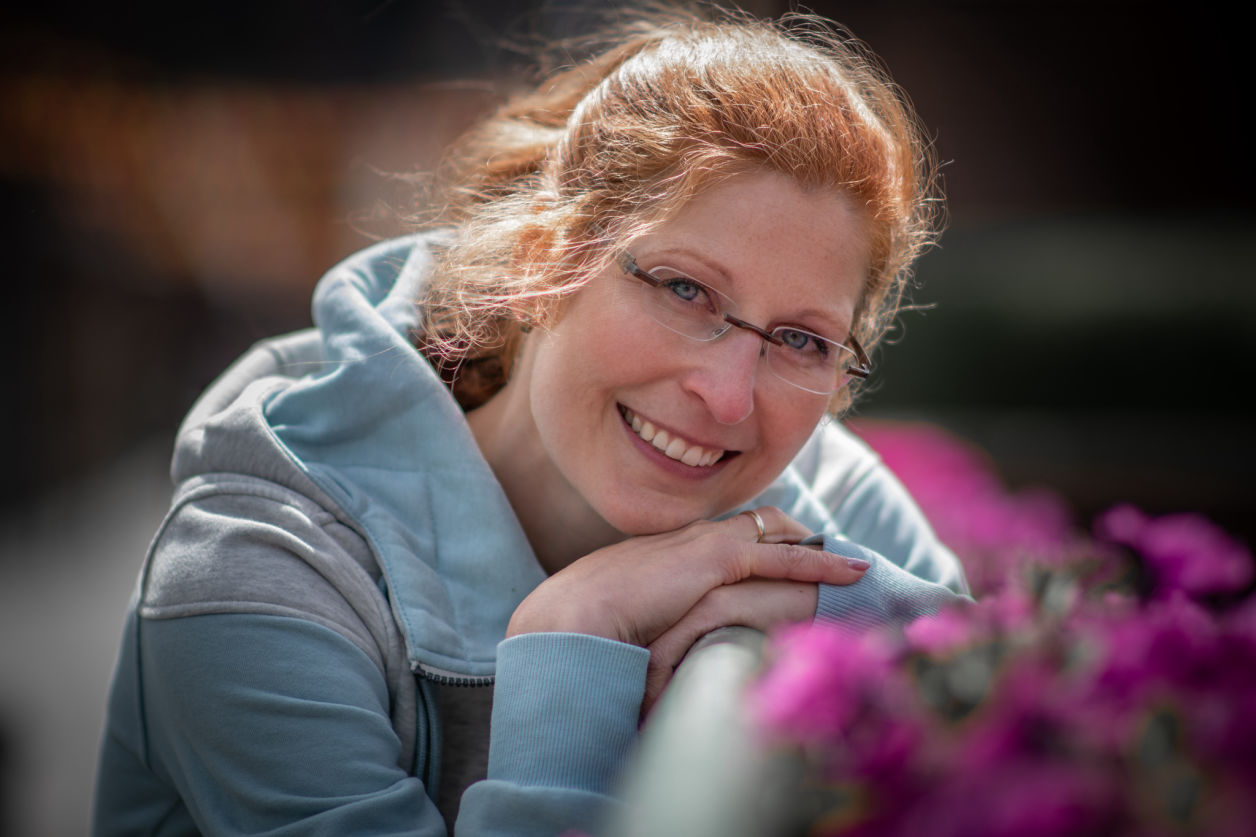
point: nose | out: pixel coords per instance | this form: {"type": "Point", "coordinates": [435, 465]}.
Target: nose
{"type": "Point", "coordinates": [723, 375]}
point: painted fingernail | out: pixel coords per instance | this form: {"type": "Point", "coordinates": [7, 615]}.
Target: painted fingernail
{"type": "Point", "coordinates": [857, 563]}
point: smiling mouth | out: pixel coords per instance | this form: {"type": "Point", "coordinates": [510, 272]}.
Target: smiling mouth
{"type": "Point", "coordinates": [672, 446]}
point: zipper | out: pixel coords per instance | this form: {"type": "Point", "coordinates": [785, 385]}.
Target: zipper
{"type": "Point", "coordinates": [449, 678]}
{"type": "Point", "coordinates": [429, 745]}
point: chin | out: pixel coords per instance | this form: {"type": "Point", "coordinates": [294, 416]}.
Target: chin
{"type": "Point", "coordinates": [657, 516]}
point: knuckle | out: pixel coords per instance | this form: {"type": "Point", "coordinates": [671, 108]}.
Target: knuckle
{"type": "Point", "coordinates": [801, 563]}
{"type": "Point", "coordinates": [791, 558]}
{"type": "Point", "coordinates": [736, 562]}
{"type": "Point", "coordinates": [770, 514]}
{"type": "Point", "coordinates": [782, 560]}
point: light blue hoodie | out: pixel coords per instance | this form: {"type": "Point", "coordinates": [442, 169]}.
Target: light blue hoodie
{"type": "Point", "coordinates": [333, 582]}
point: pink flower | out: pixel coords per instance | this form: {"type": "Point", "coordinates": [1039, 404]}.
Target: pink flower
{"type": "Point", "coordinates": [992, 530]}
{"type": "Point", "coordinates": [946, 631]}
{"type": "Point", "coordinates": [1065, 700]}
{"type": "Point", "coordinates": [1184, 552]}
{"type": "Point", "coordinates": [820, 680]}
{"type": "Point", "coordinates": [964, 624]}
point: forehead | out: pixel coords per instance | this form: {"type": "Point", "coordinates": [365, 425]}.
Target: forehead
{"type": "Point", "coordinates": [762, 233]}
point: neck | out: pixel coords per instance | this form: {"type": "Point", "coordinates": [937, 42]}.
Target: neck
{"type": "Point", "coordinates": [559, 524]}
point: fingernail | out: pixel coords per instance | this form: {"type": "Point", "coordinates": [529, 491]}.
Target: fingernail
{"type": "Point", "coordinates": [856, 563]}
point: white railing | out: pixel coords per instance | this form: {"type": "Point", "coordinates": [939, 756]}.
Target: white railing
{"type": "Point", "coordinates": [698, 771]}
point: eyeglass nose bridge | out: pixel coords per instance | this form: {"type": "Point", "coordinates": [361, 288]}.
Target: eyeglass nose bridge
{"type": "Point", "coordinates": [767, 336]}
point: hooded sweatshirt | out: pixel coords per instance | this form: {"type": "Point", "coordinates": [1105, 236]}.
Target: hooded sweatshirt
{"type": "Point", "coordinates": [317, 632]}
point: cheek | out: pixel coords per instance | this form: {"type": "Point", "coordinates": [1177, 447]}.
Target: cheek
{"type": "Point", "coordinates": [591, 353]}
{"type": "Point", "coordinates": [575, 366]}
{"type": "Point", "coordinates": [786, 430]}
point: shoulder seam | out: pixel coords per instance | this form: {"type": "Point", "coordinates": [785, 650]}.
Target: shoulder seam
{"type": "Point", "coordinates": [244, 608]}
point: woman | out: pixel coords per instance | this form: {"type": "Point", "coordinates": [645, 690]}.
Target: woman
{"type": "Point", "coordinates": [651, 281]}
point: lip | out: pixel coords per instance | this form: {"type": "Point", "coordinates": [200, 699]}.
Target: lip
{"type": "Point", "coordinates": [674, 466]}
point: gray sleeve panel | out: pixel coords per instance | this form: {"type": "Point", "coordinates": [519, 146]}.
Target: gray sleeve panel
{"type": "Point", "coordinates": [288, 356]}
{"type": "Point", "coordinates": [264, 551]}
{"type": "Point", "coordinates": [245, 546]}
{"type": "Point", "coordinates": [275, 726]}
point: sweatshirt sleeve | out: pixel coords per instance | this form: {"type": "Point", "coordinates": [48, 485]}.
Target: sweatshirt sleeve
{"type": "Point", "coordinates": [276, 725]}
{"type": "Point", "coordinates": [887, 594]}
{"type": "Point", "coordinates": [840, 488]}
{"type": "Point", "coordinates": [565, 712]}
{"type": "Point", "coordinates": [912, 574]}
{"type": "Point", "coordinates": [878, 513]}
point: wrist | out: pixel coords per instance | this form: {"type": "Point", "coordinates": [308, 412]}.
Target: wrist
{"type": "Point", "coordinates": [570, 617]}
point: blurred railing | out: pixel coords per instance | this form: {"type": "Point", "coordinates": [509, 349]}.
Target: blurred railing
{"type": "Point", "coordinates": [698, 771]}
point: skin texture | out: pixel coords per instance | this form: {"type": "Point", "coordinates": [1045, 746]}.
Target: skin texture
{"type": "Point", "coordinates": [625, 532]}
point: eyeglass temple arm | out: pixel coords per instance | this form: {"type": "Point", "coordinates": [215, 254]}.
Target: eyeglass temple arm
{"type": "Point", "coordinates": [629, 265]}
{"type": "Point", "coordinates": [863, 367]}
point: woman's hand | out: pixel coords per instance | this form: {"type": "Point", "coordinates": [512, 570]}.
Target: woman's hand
{"type": "Point", "coordinates": [756, 603]}
{"type": "Point", "coordinates": [664, 591]}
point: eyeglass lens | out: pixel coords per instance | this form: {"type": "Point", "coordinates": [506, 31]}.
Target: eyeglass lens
{"type": "Point", "coordinates": [798, 357]}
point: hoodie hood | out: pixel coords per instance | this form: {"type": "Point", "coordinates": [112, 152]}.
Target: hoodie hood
{"type": "Point", "coordinates": [353, 416]}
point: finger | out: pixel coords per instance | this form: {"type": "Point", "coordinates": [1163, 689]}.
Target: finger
{"type": "Point", "coordinates": [657, 676]}
{"type": "Point", "coordinates": [758, 603]}
{"type": "Point", "coordinates": [670, 647]}
{"type": "Point", "coordinates": [790, 561]}
{"type": "Point", "coordinates": [760, 528]}
{"type": "Point", "coordinates": [778, 527]}
{"type": "Point", "coordinates": [666, 652]}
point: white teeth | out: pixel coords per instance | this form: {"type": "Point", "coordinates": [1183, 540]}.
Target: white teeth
{"type": "Point", "coordinates": [673, 446]}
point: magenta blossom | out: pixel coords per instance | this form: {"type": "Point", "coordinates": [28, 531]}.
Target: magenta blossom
{"type": "Point", "coordinates": [1183, 552]}
{"type": "Point", "coordinates": [946, 631]}
{"type": "Point", "coordinates": [1066, 700]}
{"type": "Point", "coordinates": [965, 624]}
{"type": "Point", "coordinates": [822, 680]}
{"type": "Point", "coordinates": [957, 488]}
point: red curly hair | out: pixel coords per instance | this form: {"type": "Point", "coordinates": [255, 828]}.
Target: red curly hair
{"type": "Point", "coordinates": [607, 149]}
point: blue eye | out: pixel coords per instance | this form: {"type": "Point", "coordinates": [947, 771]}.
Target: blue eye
{"type": "Point", "coordinates": [679, 290]}
{"type": "Point", "coordinates": [686, 289]}
{"type": "Point", "coordinates": [801, 341]}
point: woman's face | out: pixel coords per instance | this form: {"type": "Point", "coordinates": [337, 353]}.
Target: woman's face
{"type": "Point", "coordinates": [786, 257]}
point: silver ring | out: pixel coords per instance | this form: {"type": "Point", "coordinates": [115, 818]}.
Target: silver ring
{"type": "Point", "coordinates": [758, 522]}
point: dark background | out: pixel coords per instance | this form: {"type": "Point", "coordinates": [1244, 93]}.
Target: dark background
{"type": "Point", "coordinates": [175, 177]}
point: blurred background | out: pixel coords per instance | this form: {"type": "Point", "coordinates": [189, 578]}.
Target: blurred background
{"type": "Point", "coordinates": [174, 178]}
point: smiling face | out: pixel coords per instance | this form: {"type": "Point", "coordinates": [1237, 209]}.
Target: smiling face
{"type": "Point", "coordinates": [649, 430]}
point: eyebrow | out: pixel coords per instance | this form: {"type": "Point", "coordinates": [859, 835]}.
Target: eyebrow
{"type": "Point", "coordinates": [707, 262]}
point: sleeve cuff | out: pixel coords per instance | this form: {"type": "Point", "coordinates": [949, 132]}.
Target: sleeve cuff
{"type": "Point", "coordinates": [887, 595]}
{"type": "Point", "coordinates": [565, 710]}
